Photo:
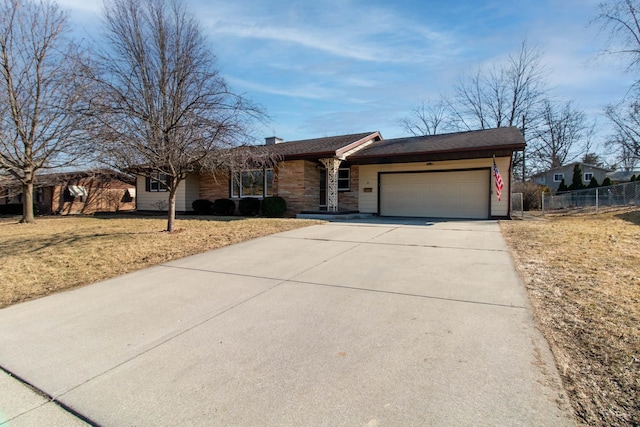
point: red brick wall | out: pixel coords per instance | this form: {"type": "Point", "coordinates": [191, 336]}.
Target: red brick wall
{"type": "Point", "coordinates": [103, 196]}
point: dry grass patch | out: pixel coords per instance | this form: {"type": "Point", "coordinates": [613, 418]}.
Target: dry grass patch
{"type": "Point", "coordinates": [583, 277]}
{"type": "Point", "coordinates": [59, 253]}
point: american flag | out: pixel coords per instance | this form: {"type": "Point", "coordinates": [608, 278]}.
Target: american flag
{"type": "Point", "coordinates": [499, 183]}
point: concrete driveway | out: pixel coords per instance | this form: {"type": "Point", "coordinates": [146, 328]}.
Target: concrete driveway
{"type": "Point", "coordinates": [379, 322]}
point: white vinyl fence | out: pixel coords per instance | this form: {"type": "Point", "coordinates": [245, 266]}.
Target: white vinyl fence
{"type": "Point", "coordinates": [627, 194]}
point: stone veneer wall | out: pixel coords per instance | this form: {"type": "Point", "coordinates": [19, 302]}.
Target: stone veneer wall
{"type": "Point", "coordinates": [348, 200]}
{"type": "Point", "coordinates": [214, 187]}
{"type": "Point", "coordinates": [298, 182]}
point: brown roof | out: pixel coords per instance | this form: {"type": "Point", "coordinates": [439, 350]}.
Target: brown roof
{"type": "Point", "coordinates": [471, 144]}
{"type": "Point", "coordinates": [318, 147]}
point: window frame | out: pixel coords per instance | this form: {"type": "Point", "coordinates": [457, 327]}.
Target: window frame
{"type": "Point", "coordinates": [156, 182]}
{"type": "Point", "coordinates": [236, 190]}
{"type": "Point", "coordinates": [556, 175]}
{"type": "Point", "coordinates": [342, 180]}
{"type": "Point", "coordinates": [584, 176]}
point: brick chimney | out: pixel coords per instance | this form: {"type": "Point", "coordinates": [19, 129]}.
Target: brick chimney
{"type": "Point", "coordinates": [271, 140]}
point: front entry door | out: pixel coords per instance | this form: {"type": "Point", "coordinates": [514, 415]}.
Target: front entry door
{"type": "Point", "coordinates": [323, 189]}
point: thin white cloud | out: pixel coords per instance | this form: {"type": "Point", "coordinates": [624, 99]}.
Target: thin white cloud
{"type": "Point", "coordinates": [305, 91]}
{"type": "Point", "coordinates": [329, 42]}
{"type": "Point", "coordinates": [346, 29]}
{"type": "Point", "coordinates": [94, 6]}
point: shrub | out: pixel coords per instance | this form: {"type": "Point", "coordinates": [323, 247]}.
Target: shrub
{"type": "Point", "coordinates": [593, 183]}
{"type": "Point", "coordinates": [576, 179]}
{"type": "Point", "coordinates": [633, 178]}
{"type": "Point", "coordinates": [562, 188]}
{"type": "Point", "coordinates": [249, 206]}
{"type": "Point", "coordinates": [274, 207]}
{"type": "Point", "coordinates": [606, 182]}
{"type": "Point", "coordinates": [531, 194]}
{"type": "Point", "coordinates": [202, 207]}
{"type": "Point", "coordinates": [11, 209]}
{"type": "Point", "coordinates": [224, 207]}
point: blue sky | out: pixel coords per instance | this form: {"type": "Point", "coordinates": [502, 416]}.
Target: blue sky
{"type": "Point", "coordinates": [329, 67]}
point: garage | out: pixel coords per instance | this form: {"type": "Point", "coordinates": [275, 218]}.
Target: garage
{"type": "Point", "coordinates": [442, 194]}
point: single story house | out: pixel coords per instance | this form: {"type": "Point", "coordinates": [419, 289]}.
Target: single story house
{"type": "Point", "coordinates": [78, 192]}
{"type": "Point", "coordinates": [448, 176]}
{"type": "Point", "coordinates": [554, 176]}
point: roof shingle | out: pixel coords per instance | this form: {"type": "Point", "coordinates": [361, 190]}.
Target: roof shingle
{"type": "Point", "coordinates": [479, 140]}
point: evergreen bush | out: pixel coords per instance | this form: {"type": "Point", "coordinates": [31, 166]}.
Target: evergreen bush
{"type": "Point", "coordinates": [593, 183]}
{"type": "Point", "coordinates": [606, 182]}
{"type": "Point", "coordinates": [202, 207]}
{"type": "Point", "coordinates": [249, 206]}
{"type": "Point", "coordinates": [224, 207]}
{"type": "Point", "coordinates": [576, 180]}
{"type": "Point", "coordinates": [274, 207]}
{"type": "Point", "coordinates": [562, 188]}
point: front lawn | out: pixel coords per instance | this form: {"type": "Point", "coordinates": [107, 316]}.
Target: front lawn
{"type": "Point", "coordinates": [582, 273]}
{"type": "Point", "coordinates": [59, 253]}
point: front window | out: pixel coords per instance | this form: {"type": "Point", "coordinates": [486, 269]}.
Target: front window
{"type": "Point", "coordinates": [156, 182]}
{"type": "Point", "coordinates": [252, 183]}
{"type": "Point", "coordinates": [588, 176]}
{"type": "Point", "coordinates": [558, 177]}
{"type": "Point", "coordinates": [344, 179]}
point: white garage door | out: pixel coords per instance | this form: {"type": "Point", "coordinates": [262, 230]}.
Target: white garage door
{"type": "Point", "coordinates": [453, 194]}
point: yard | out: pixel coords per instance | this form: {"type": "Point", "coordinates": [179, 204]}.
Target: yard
{"type": "Point", "coordinates": [582, 273]}
{"type": "Point", "coordinates": [59, 253]}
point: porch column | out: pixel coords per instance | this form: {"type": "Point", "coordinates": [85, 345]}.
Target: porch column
{"type": "Point", "coordinates": [332, 165]}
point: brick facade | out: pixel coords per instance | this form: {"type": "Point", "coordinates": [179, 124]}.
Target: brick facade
{"type": "Point", "coordinates": [296, 181]}
{"type": "Point", "coordinates": [297, 184]}
{"type": "Point", "coordinates": [214, 187]}
{"type": "Point", "coordinates": [103, 195]}
{"type": "Point", "coordinates": [348, 200]}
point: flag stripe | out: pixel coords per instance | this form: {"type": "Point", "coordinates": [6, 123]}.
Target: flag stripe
{"type": "Point", "coordinates": [498, 179]}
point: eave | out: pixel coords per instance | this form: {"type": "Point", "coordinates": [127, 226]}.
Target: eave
{"type": "Point", "coordinates": [458, 154]}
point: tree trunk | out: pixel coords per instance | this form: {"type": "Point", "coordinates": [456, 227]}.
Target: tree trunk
{"type": "Point", "coordinates": [171, 212]}
{"type": "Point", "coordinates": [27, 203]}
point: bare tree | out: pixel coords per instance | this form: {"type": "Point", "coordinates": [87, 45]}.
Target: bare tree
{"type": "Point", "coordinates": [626, 122]}
{"type": "Point", "coordinates": [503, 95]}
{"type": "Point", "coordinates": [40, 91]}
{"type": "Point", "coordinates": [507, 95]}
{"type": "Point", "coordinates": [564, 134]}
{"type": "Point", "coordinates": [428, 118]}
{"type": "Point", "coordinates": [163, 108]}
{"type": "Point", "coordinates": [621, 20]}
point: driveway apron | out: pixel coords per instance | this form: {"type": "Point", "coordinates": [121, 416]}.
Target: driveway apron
{"type": "Point", "coordinates": [378, 322]}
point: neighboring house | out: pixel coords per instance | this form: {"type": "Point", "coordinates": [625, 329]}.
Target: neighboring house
{"type": "Point", "coordinates": [83, 192]}
{"type": "Point", "coordinates": [554, 176]}
{"type": "Point", "coordinates": [448, 176]}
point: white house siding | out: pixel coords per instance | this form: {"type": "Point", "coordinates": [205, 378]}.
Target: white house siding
{"type": "Point", "coordinates": [368, 199]}
{"type": "Point", "coordinates": [192, 191]}
{"type": "Point", "coordinates": [155, 200]}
